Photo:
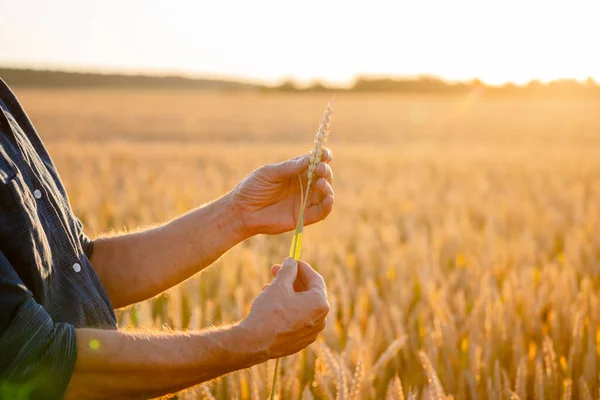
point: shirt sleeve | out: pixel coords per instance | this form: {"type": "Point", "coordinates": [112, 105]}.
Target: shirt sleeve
{"type": "Point", "coordinates": [37, 356]}
{"type": "Point", "coordinates": [86, 243]}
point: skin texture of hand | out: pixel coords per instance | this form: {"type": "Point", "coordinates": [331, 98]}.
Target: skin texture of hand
{"type": "Point", "coordinates": [290, 312]}
{"type": "Point", "coordinates": [268, 200]}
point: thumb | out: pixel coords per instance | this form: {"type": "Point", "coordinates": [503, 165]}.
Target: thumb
{"type": "Point", "coordinates": [286, 276]}
{"type": "Point", "coordinates": [291, 167]}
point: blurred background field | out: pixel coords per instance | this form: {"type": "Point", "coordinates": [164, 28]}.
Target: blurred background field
{"type": "Point", "coordinates": [462, 256]}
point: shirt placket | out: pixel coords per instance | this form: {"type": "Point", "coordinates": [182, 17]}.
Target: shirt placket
{"type": "Point", "coordinates": [46, 204]}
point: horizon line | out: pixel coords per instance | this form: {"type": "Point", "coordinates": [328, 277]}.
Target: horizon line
{"type": "Point", "coordinates": [301, 83]}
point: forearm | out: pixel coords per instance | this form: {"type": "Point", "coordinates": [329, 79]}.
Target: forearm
{"type": "Point", "coordinates": [129, 365]}
{"type": "Point", "coordinates": [137, 266]}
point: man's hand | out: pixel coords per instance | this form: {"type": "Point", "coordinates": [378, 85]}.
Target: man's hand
{"type": "Point", "coordinates": [285, 318]}
{"type": "Point", "coordinates": [268, 200]}
{"type": "Point", "coordinates": [290, 312]}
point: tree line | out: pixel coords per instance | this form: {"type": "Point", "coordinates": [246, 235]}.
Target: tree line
{"type": "Point", "coordinates": [362, 84]}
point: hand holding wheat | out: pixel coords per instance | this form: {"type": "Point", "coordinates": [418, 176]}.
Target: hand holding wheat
{"type": "Point", "coordinates": [267, 200]}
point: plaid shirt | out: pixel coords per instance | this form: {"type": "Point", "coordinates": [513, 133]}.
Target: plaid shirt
{"type": "Point", "coordinates": [48, 287]}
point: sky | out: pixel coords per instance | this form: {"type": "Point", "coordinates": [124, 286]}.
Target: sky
{"type": "Point", "coordinates": [333, 41]}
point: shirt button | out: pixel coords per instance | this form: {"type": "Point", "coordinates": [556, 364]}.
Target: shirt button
{"type": "Point", "coordinates": [76, 267]}
{"type": "Point", "coordinates": [37, 194]}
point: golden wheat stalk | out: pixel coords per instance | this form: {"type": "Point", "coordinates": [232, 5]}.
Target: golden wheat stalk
{"type": "Point", "coordinates": [315, 158]}
{"type": "Point", "coordinates": [316, 154]}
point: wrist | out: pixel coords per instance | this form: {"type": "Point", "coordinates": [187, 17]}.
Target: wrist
{"type": "Point", "coordinates": [250, 342]}
{"type": "Point", "coordinates": [244, 225]}
{"type": "Point", "coordinates": [234, 218]}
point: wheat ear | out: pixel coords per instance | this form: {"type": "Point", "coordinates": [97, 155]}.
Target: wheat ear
{"type": "Point", "coordinates": [316, 154]}
{"type": "Point", "coordinates": [321, 137]}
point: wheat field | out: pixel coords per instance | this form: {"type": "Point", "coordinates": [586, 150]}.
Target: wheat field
{"type": "Point", "coordinates": [462, 258]}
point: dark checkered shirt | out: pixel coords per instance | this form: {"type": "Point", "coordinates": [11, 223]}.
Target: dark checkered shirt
{"type": "Point", "coordinates": [48, 287]}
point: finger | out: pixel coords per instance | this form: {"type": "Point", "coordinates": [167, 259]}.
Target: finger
{"type": "Point", "coordinates": [316, 301]}
{"type": "Point", "coordinates": [320, 325]}
{"type": "Point", "coordinates": [309, 277]}
{"type": "Point", "coordinates": [306, 341]}
{"type": "Point", "coordinates": [317, 328]}
{"type": "Point", "coordinates": [301, 280]}
{"type": "Point", "coordinates": [275, 268]}
{"type": "Point", "coordinates": [324, 187]}
{"type": "Point", "coordinates": [322, 190]}
{"type": "Point", "coordinates": [325, 160]}
{"type": "Point", "coordinates": [325, 171]}
{"type": "Point", "coordinates": [327, 155]}
{"type": "Point", "coordinates": [319, 211]}
{"type": "Point", "coordinates": [311, 333]}
{"type": "Point", "coordinates": [287, 273]}
{"type": "Point", "coordinates": [289, 168]}
{"type": "Point", "coordinates": [299, 285]}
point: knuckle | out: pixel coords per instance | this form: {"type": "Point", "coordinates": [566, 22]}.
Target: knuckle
{"type": "Point", "coordinates": [322, 306]}
{"type": "Point", "coordinates": [322, 325]}
{"type": "Point", "coordinates": [318, 276]}
{"type": "Point", "coordinates": [326, 307]}
{"type": "Point", "coordinates": [322, 282]}
{"type": "Point", "coordinates": [310, 324]}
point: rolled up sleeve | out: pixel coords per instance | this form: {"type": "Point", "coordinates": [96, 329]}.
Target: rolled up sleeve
{"type": "Point", "coordinates": [37, 355]}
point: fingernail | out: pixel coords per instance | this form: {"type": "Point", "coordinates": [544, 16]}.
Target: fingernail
{"type": "Point", "coordinates": [289, 262]}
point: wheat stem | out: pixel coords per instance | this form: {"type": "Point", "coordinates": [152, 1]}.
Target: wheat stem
{"type": "Point", "coordinates": [296, 248]}
{"type": "Point", "coordinates": [274, 379]}
{"type": "Point", "coordinates": [315, 159]}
